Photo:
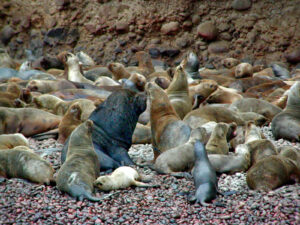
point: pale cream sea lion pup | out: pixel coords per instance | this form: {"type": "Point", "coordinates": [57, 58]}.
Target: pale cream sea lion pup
{"type": "Point", "coordinates": [122, 177]}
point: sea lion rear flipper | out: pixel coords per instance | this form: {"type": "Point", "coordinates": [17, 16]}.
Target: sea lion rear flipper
{"type": "Point", "coordinates": [91, 198]}
{"type": "Point", "coordinates": [182, 175]}
{"type": "Point", "coordinates": [141, 184]}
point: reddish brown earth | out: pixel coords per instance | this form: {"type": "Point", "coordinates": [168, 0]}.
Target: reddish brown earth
{"type": "Point", "coordinates": [113, 30]}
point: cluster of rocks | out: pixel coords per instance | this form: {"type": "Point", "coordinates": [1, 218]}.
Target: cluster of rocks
{"type": "Point", "coordinates": [114, 30]}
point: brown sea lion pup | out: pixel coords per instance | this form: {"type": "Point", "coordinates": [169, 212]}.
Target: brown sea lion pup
{"type": "Point", "coordinates": [167, 130]}
{"type": "Point", "coordinates": [8, 141]}
{"type": "Point", "coordinates": [119, 71]}
{"type": "Point", "coordinates": [122, 177]}
{"type": "Point", "coordinates": [217, 143]}
{"type": "Point", "coordinates": [205, 178]}
{"type": "Point", "coordinates": [46, 101]}
{"type": "Point", "coordinates": [141, 134]}
{"type": "Point", "coordinates": [81, 168]}
{"type": "Point", "coordinates": [256, 105]}
{"type": "Point", "coordinates": [261, 149]}
{"type": "Point", "coordinates": [47, 86]}
{"type": "Point", "coordinates": [178, 93]}
{"type": "Point", "coordinates": [28, 121]}
{"type": "Point", "coordinates": [230, 62]}
{"type": "Point", "coordinates": [198, 117]}
{"type": "Point", "coordinates": [243, 70]}
{"type": "Point", "coordinates": [258, 119]}
{"type": "Point", "coordinates": [224, 96]}
{"type": "Point", "coordinates": [199, 92]}
{"type": "Point", "coordinates": [181, 158]}
{"type": "Point", "coordinates": [272, 172]}
{"type": "Point", "coordinates": [232, 163]}
{"type": "Point", "coordinates": [286, 124]}
{"type": "Point", "coordinates": [23, 163]}
{"type": "Point", "coordinates": [69, 122]}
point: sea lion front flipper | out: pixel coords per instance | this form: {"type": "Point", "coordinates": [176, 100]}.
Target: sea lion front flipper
{"type": "Point", "coordinates": [120, 155]}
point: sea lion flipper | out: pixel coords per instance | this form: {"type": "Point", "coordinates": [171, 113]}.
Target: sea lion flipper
{"type": "Point", "coordinates": [142, 184]}
{"type": "Point", "coordinates": [182, 175]}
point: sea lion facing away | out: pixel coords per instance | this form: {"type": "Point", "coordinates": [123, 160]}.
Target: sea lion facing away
{"type": "Point", "coordinates": [205, 178]}
{"type": "Point", "coordinates": [81, 168]}
{"type": "Point", "coordinates": [122, 177]}
{"type": "Point", "coordinates": [12, 140]}
{"type": "Point", "coordinates": [23, 163]}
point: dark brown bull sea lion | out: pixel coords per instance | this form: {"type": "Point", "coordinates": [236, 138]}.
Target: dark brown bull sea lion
{"type": "Point", "coordinates": [24, 163]}
{"type": "Point", "coordinates": [81, 168]}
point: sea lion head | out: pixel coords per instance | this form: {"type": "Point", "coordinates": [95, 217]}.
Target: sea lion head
{"type": "Point", "coordinates": [230, 62]}
{"type": "Point", "coordinates": [103, 183]}
{"type": "Point", "coordinates": [33, 85]}
{"type": "Point", "coordinates": [139, 80]}
{"type": "Point", "coordinates": [72, 59]}
{"type": "Point", "coordinates": [243, 70]}
{"type": "Point", "coordinates": [75, 110]}
{"type": "Point", "coordinates": [162, 82]}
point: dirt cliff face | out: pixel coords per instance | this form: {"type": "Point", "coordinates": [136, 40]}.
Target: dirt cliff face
{"type": "Point", "coordinates": [114, 30]}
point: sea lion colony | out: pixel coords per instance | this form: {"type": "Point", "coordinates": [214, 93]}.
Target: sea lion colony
{"type": "Point", "coordinates": [99, 112]}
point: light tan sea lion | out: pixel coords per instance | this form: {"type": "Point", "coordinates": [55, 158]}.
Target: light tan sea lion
{"type": "Point", "coordinates": [81, 168]}
{"type": "Point", "coordinates": [105, 81]}
{"type": "Point", "coordinates": [122, 177]}
{"type": "Point", "coordinates": [167, 130]}
{"type": "Point", "coordinates": [178, 93]}
{"type": "Point", "coordinates": [139, 80]}
{"type": "Point", "coordinates": [286, 124]}
{"type": "Point", "coordinates": [8, 141]}
{"type": "Point", "coordinates": [256, 105]}
{"type": "Point", "coordinates": [237, 162]}
{"type": "Point", "coordinates": [198, 117]}
{"type": "Point", "coordinates": [264, 89]}
{"type": "Point", "coordinates": [243, 70]}
{"type": "Point", "coordinates": [258, 119]}
{"type": "Point", "coordinates": [199, 92]}
{"type": "Point", "coordinates": [69, 122]}
{"type": "Point", "coordinates": [23, 163]}
{"type": "Point", "coordinates": [46, 101]}
{"type": "Point", "coordinates": [181, 158]}
{"type": "Point", "coordinates": [217, 143]}
{"type": "Point", "coordinates": [87, 106]}
{"type": "Point", "coordinates": [28, 121]}
{"type": "Point", "coordinates": [141, 134]}
{"type": "Point", "coordinates": [253, 133]}
{"type": "Point", "coordinates": [47, 86]}
{"type": "Point", "coordinates": [230, 62]}
{"type": "Point", "coordinates": [223, 96]}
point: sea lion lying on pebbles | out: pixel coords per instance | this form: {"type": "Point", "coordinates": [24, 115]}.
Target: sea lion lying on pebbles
{"type": "Point", "coordinates": [12, 140]}
{"type": "Point", "coordinates": [81, 168]}
{"type": "Point", "coordinates": [121, 178]}
{"type": "Point", "coordinates": [22, 162]}
{"type": "Point", "coordinates": [286, 124]}
{"type": "Point", "coordinates": [28, 121]}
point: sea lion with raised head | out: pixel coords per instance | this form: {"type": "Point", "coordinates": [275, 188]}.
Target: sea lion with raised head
{"type": "Point", "coordinates": [22, 162]}
{"type": "Point", "coordinates": [205, 178]}
{"type": "Point", "coordinates": [81, 168]}
{"type": "Point", "coordinates": [122, 177]}
{"type": "Point", "coordinates": [178, 93]}
{"type": "Point", "coordinates": [69, 122]}
{"type": "Point", "coordinates": [243, 70]}
{"type": "Point", "coordinates": [223, 96]}
{"type": "Point", "coordinates": [167, 130]}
